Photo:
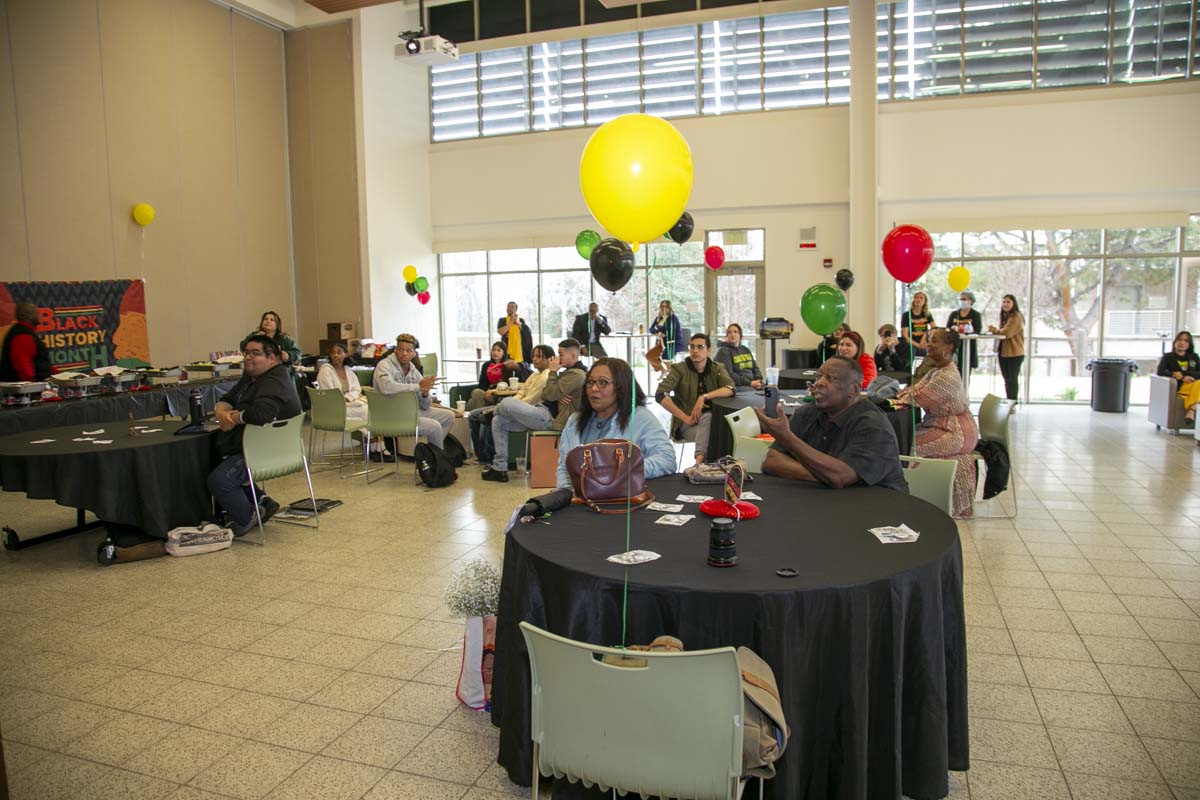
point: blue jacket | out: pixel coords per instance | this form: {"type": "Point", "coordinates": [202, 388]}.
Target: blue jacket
{"type": "Point", "coordinates": [671, 331]}
{"type": "Point", "coordinates": [658, 454]}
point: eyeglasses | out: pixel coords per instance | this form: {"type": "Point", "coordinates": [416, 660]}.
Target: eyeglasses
{"type": "Point", "coordinates": [251, 353]}
{"type": "Point", "coordinates": [599, 383]}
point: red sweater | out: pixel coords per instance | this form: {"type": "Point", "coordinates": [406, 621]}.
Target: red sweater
{"type": "Point", "coordinates": [21, 351]}
{"type": "Point", "coordinates": [867, 362]}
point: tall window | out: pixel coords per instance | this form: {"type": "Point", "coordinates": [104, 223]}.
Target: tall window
{"type": "Point", "coordinates": [938, 47]}
{"type": "Point", "coordinates": [1084, 294]}
{"type": "Point", "coordinates": [553, 284]}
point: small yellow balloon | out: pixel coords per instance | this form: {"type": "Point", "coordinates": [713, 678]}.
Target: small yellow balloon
{"type": "Point", "coordinates": [636, 176]}
{"type": "Point", "coordinates": [959, 278]}
{"type": "Point", "coordinates": [143, 214]}
{"type": "Point", "coordinates": [410, 273]}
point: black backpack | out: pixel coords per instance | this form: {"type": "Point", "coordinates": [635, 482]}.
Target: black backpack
{"type": "Point", "coordinates": [996, 458]}
{"type": "Point", "coordinates": [433, 466]}
{"type": "Point", "coordinates": [455, 451]}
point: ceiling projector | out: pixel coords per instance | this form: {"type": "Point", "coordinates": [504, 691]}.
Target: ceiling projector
{"type": "Point", "coordinates": [426, 50]}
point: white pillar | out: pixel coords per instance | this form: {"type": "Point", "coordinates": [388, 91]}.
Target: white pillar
{"type": "Point", "coordinates": [864, 201]}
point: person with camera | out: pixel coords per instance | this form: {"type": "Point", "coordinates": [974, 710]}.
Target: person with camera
{"type": "Point", "coordinates": [265, 393]}
{"type": "Point", "coordinates": [398, 373]}
{"type": "Point", "coordinates": [839, 440]}
{"type": "Point", "coordinates": [517, 338]}
{"type": "Point", "coordinates": [892, 353]}
{"type": "Point", "coordinates": [587, 330]}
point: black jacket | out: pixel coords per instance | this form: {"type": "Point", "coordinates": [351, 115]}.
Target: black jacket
{"type": "Point", "coordinates": [893, 360]}
{"type": "Point", "coordinates": [1170, 363]}
{"type": "Point", "coordinates": [523, 372]}
{"type": "Point", "coordinates": [579, 330]}
{"type": "Point", "coordinates": [976, 320]}
{"type": "Point", "coordinates": [268, 397]}
{"type": "Point", "coordinates": [526, 339]}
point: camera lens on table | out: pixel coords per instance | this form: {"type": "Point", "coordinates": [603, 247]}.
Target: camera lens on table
{"type": "Point", "coordinates": [722, 547]}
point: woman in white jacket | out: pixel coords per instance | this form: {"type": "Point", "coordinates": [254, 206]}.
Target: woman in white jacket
{"type": "Point", "coordinates": [337, 375]}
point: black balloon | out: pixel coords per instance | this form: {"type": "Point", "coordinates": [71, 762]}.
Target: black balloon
{"type": "Point", "coordinates": [682, 231]}
{"type": "Point", "coordinates": [844, 279]}
{"type": "Point", "coordinates": [411, 289]}
{"type": "Point", "coordinates": [612, 264]}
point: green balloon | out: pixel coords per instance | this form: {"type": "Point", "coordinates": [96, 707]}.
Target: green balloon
{"type": "Point", "coordinates": [585, 242]}
{"type": "Point", "coordinates": [421, 284]}
{"type": "Point", "coordinates": [823, 308]}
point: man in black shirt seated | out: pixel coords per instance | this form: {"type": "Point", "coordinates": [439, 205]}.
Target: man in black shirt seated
{"type": "Point", "coordinates": [840, 440]}
{"type": "Point", "coordinates": [265, 393]}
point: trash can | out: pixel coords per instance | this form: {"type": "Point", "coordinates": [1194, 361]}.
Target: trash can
{"type": "Point", "coordinates": [1111, 379]}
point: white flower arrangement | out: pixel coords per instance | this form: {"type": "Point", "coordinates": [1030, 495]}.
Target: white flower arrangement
{"type": "Point", "coordinates": [474, 591]}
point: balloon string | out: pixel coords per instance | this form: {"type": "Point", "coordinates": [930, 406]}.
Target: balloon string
{"type": "Point", "coordinates": [628, 515]}
{"type": "Point", "coordinates": [912, 405]}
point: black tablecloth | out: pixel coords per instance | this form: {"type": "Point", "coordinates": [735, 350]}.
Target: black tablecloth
{"type": "Point", "coordinates": [171, 399]}
{"type": "Point", "coordinates": [720, 437]}
{"type": "Point", "coordinates": [154, 481]}
{"type": "Point", "coordinates": [867, 644]}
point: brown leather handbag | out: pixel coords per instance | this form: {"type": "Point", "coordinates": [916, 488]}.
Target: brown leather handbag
{"type": "Point", "coordinates": [609, 476]}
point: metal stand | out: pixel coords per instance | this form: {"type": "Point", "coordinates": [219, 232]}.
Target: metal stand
{"type": "Point", "coordinates": [13, 542]}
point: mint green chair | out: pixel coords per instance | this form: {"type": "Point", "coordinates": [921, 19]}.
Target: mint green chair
{"type": "Point", "coordinates": [429, 364]}
{"type": "Point", "coordinates": [932, 480]}
{"type": "Point", "coordinates": [273, 451]}
{"type": "Point", "coordinates": [994, 417]}
{"type": "Point", "coordinates": [328, 413]}
{"type": "Point", "coordinates": [671, 727]}
{"type": "Point", "coordinates": [390, 415]}
{"type": "Point", "coordinates": [743, 424]}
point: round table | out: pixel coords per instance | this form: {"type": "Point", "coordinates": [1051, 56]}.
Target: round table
{"type": "Point", "coordinates": [868, 643]}
{"type": "Point", "coordinates": [153, 481]}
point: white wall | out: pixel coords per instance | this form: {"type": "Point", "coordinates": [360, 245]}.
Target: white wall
{"type": "Point", "coordinates": [1102, 154]}
{"type": "Point", "coordinates": [394, 176]}
{"type": "Point", "coordinates": [782, 171]}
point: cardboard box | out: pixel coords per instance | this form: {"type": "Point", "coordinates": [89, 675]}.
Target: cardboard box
{"type": "Point", "coordinates": [543, 460]}
{"type": "Point", "coordinates": [324, 345]}
{"type": "Point", "coordinates": [340, 330]}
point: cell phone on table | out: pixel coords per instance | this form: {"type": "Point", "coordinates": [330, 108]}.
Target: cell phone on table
{"type": "Point", "coordinates": [771, 397]}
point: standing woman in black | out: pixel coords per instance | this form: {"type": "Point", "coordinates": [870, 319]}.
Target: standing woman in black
{"type": "Point", "coordinates": [916, 323]}
{"type": "Point", "coordinates": [966, 320]}
{"type": "Point", "coordinates": [1011, 350]}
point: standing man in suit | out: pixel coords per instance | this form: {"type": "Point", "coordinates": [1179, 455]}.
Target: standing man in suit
{"type": "Point", "coordinates": [588, 329]}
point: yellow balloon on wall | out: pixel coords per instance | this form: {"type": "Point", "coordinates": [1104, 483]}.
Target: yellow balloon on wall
{"type": "Point", "coordinates": [410, 273]}
{"type": "Point", "coordinates": [636, 176]}
{"type": "Point", "coordinates": [143, 214]}
{"type": "Point", "coordinates": [959, 278]}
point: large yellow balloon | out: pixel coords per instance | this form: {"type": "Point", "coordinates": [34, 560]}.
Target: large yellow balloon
{"type": "Point", "coordinates": [410, 273]}
{"type": "Point", "coordinates": [959, 278]}
{"type": "Point", "coordinates": [636, 176]}
{"type": "Point", "coordinates": [143, 214]}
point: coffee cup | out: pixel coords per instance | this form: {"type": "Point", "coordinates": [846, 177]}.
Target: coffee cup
{"type": "Point", "coordinates": [514, 382]}
{"type": "Point", "coordinates": [773, 376]}
{"type": "Point", "coordinates": [461, 405]}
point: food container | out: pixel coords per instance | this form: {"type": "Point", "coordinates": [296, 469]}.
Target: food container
{"type": "Point", "coordinates": [160, 377]}
{"type": "Point", "coordinates": [120, 382]}
{"type": "Point", "coordinates": [77, 387]}
{"type": "Point", "coordinates": [206, 369]}
{"type": "Point", "coordinates": [22, 394]}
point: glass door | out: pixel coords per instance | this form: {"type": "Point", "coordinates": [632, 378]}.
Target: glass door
{"type": "Point", "coordinates": [739, 293]}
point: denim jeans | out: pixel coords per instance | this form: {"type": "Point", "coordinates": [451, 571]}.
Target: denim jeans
{"type": "Point", "coordinates": [515, 415]}
{"type": "Point", "coordinates": [231, 490]}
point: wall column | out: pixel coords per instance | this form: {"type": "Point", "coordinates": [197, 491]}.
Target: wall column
{"type": "Point", "coordinates": [864, 202]}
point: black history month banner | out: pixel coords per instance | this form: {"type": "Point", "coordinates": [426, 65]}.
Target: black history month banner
{"type": "Point", "coordinates": [84, 324]}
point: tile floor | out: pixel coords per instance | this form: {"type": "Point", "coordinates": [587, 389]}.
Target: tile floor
{"type": "Point", "coordinates": [323, 664]}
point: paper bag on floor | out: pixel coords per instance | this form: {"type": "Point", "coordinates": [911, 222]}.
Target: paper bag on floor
{"type": "Point", "coordinates": [475, 675]}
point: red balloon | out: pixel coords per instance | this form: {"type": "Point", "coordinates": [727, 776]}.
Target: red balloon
{"type": "Point", "coordinates": [907, 252]}
{"type": "Point", "coordinates": [423, 298]}
{"type": "Point", "coordinates": [714, 257]}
